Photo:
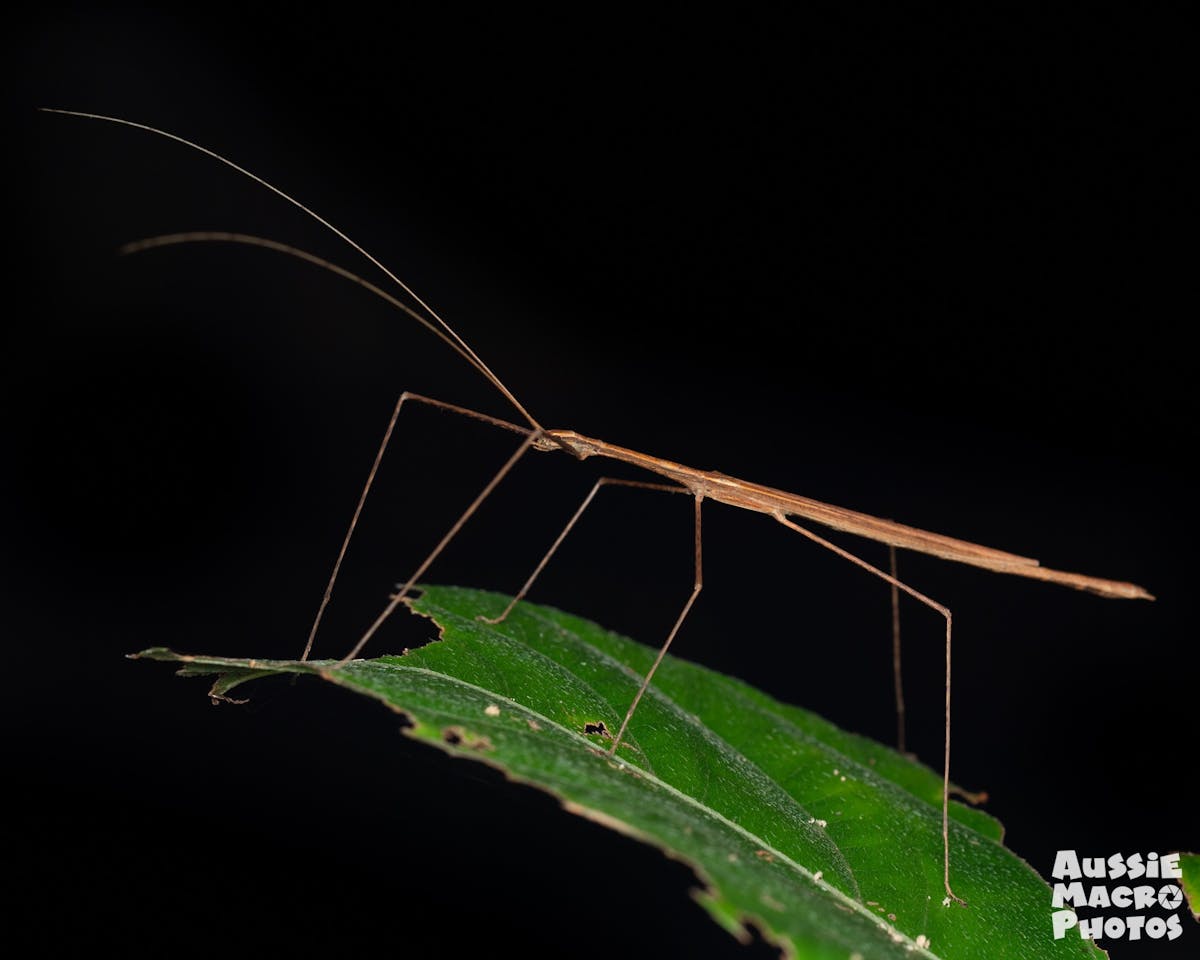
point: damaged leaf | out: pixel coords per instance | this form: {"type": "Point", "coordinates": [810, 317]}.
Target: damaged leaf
{"type": "Point", "coordinates": [827, 842]}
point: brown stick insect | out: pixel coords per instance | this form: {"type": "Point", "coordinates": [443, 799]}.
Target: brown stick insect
{"type": "Point", "coordinates": [701, 485]}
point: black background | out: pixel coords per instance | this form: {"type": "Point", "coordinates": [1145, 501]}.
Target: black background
{"type": "Point", "coordinates": [931, 269]}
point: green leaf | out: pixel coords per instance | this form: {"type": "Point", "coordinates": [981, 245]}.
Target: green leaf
{"type": "Point", "coordinates": [827, 842]}
{"type": "Point", "coordinates": [1190, 864]}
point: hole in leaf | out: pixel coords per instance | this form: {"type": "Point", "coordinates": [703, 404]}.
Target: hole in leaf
{"type": "Point", "coordinates": [460, 737]}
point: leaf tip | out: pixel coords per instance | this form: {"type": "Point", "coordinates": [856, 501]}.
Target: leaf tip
{"type": "Point", "coordinates": [157, 653]}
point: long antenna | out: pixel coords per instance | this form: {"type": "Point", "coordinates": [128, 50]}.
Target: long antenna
{"type": "Point", "coordinates": [249, 240]}
{"type": "Point", "coordinates": [464, 348]}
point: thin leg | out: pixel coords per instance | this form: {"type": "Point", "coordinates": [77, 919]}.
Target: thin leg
{"type": "Point", "coordinates": [697, 586]}
{"type": "Point", "coordinates": [602, 482]}
{"type": "Point", "coordinates": [945, 612]}
{"type": "Point", "coordinates": [399, 596]}
{"type": "Point", "coordinates": [387, 436]}
{"type": "Point", "coordinates": [899, 683]}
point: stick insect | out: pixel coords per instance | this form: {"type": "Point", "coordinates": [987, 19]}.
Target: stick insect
{"type": "Point", "coordinates": [701, 485]}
